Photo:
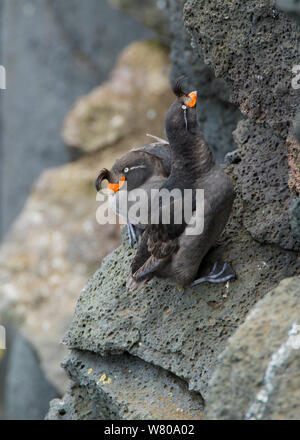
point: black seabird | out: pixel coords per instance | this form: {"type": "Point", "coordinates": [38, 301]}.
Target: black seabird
{"type": "Point", "coordinates": [145, 168]}
{"type": "Point", "coordinates": [166, 251]}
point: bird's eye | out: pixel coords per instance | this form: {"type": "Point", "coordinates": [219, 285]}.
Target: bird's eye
{"type": "Point", "coordinates": [183, 107]}
{"type": "Point", "coordinates": [126, 170]}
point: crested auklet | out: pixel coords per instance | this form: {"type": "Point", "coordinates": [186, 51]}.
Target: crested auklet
{"type": "Point", "coordinates": [166, 250]}
{"type": "Point", "coordinates": [146, 168]}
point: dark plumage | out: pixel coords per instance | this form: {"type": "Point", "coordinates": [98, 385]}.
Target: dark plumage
{"type": "Point", "coordinates": [166, 251]}
{"type": "Point", "coordinates": [143, 168]}
{"type": "Point", "coordinates": [178, 88]}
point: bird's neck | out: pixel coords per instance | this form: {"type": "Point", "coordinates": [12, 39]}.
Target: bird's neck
{"type": "Point", "coordinates": [191, 158]}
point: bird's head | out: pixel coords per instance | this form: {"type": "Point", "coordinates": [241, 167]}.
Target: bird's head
{"type": "Point", "coordinates": [181, 119]}
{"type": "Point", "coordinates": [134, 168]}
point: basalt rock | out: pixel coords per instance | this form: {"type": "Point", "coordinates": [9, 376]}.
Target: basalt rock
{"type": "Point", "coordinates": [181, 331]}
{"type": "Point", "coordinates": [292, 7]}
{"type": "Point", "coordinates": [295, 218]}
{"type": "Point", "coordinates": [263, 180]}
{"type": "Point", "coordinates": [258, 374]}
{"type": "Point", "coordinates": [123, 387]}
{"type": "Point", "coordinates": [254, 46]}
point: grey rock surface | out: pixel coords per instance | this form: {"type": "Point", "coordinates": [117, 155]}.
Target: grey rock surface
{"type": "Point", "coordinates": [295, 218]}
{"type": "Point", "coordinates": [181, 331]}
{"type": "Point", "coordinates": [240, 41]}
{"type": "Point", "coordinates": [292, 8]}
{"type": "Point", "coordinates": [233, 157]}
{"type": "Point", "coordinates": [263, 175]}
{"type": "Point", "coordinates": [76, 404]}
{"type": "Point", "coordinates": [258, 374]}
{"type": "Point", "coordinates": [54, 51]}
{"type": "Point", "coordinates": [124, 387]}
{"type": "Point", "coordinates": [252, 46]}
{"type": "Point", "coordinates": [188, 60]}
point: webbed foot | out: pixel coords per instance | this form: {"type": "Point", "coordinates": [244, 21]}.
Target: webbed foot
{"type": "Point", "coordinates": [220, 273]}
{"type": "Point", "coordinates": [131, 234]}
{"type": "Point", "coordinates": [134, 233]}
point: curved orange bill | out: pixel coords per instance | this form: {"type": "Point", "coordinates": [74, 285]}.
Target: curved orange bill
{"type": "Point", "coordinates": [193, 97]}
{"type": "Point", "coordinates": [116, 186]}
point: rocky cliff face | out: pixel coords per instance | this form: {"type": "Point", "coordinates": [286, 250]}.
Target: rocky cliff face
{"type": "Point", "coordinates": [254, 47]}
{"type": "Point", "coordinates": [257, 376]}
{"type": "Point", "coordinates": [233, 349]}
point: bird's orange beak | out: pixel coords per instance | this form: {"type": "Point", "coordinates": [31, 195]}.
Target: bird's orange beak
{"type": "Point", "coordinates": [193, 99]}
{"type": "Point", "coordinates": [116, 186]}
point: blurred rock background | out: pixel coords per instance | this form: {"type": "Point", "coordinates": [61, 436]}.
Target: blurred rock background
{"type": "Point", "coordinates": [53, 52]}
{"type": "Point", "coordinates": [84, 86]}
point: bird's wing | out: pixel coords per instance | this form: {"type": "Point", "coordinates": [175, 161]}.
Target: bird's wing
{"type": "Point", "coordinates": [142, 253]}
{"type": "Point", "coordinates": [159, 149]}
{"type": "Point", "coordinates": [161, 242]}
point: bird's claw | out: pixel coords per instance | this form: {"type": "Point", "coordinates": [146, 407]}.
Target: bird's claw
{"type": "Point", "coordinates": [131, 234]}
{"type": "Point", "coordinates": [220, 273]}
